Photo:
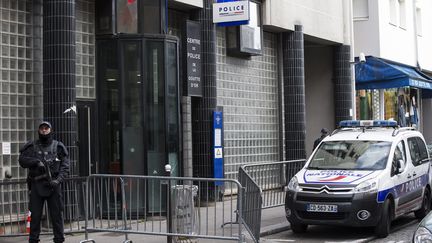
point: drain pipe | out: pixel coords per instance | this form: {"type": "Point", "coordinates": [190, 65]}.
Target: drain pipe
{"type": "Point", "coordinates": [418, 67]}
{"type": "Point", "coordinates": [416, 51]}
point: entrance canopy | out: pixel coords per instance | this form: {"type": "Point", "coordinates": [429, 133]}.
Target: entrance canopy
{"type": "Point", "coordinates": [378, 73]}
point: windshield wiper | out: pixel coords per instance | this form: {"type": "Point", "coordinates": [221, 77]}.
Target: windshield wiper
{"type": "Point", "coordinates": [326, 168]}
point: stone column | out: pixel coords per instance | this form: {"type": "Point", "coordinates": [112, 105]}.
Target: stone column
{"type": "Point", "coordinates": [59, 92]}
{"type": "Point", "coordinates": [342, 83]}
{"type": "Point", "coordinates": [203, 107]}
{"type": "Point", "coordinates": [294, 94]}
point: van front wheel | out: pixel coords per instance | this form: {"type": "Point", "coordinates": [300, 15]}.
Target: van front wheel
{"type": "Point", "coordinates": [382, 229]}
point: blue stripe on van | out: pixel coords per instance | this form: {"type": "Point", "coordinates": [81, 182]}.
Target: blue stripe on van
{"type": "Point", "coordinates": [403, 188]}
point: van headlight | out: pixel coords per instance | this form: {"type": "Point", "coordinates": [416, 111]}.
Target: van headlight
{"type": "Point", "coordinates": [367, 186]}
{"type": "Point", "coordinates": [422, 235]}
{"type": "Point", "coordinates": [293, 185]}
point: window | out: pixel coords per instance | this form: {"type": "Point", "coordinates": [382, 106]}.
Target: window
{"type": "Point", "coordinates": [246, 40]}
{"type": "Point", "coordinates": [402, 14]}
{"type": "Point", "coordinates": [351, 155]}
{"type": "Point", "coordinates": [419, 22]}
{"type": "Point", "coordinates": [399, 155]}
{"type": "Point", "coordinates": [360, 9]}
{"type": "Point", "coordinates": [418, 151]}
{"type": "Point", "coordinates": [393, 12]}
{"type": "Point", "coordinates": [127, 16]}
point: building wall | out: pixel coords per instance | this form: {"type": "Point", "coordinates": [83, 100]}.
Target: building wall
{"type": "Point", "coordinates": [21, 88]}
{"type": "Point", "coordinates": [189, 3]}
{"type": "Point", "coordinates": [319, 88]}
{"type": "Point", "coordinates": [248, 92]}
{"type": "Point", "coordinates": [85, 49]}
{"type": "Point", "coordinates": [366, 39]}
{"type": "Point", "coordinates": [21, 72]}
{"type": "Point", "coordinates": [426, 106]}
{"type": "Point", "coordinates": [425, 40]}
{"type": "Point", "coordinates": [382, 36]}
{"type": "Point", "coordinates": [320, 18]}
{"type": "Point", "coordinates": [394, 36]}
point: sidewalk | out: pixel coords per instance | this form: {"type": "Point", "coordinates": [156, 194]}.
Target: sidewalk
{"type": "Point", "coordinates": [272, 221]}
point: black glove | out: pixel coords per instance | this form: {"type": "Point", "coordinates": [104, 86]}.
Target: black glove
{"type": "Point", "coordinates": [54, 183]}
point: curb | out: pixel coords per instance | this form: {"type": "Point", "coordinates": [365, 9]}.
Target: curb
{"type": "Point", "coordinates": [274, 229]}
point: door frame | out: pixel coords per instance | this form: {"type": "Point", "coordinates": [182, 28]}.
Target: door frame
{"type": "Point", "coordinates": [93, 139]}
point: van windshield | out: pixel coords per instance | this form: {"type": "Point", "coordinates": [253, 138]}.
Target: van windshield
{"type": "Point", "coordinates": [351, 155]}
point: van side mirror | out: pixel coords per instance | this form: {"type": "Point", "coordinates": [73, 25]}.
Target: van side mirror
{"type": "Point", "coordinates": [400, 166]}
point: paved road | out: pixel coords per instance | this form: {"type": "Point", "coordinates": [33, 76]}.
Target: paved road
{"type": "Point", "coordinates": [402, 230]}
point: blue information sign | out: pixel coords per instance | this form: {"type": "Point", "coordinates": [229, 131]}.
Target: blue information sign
{"type": "Point", "coordinates": [218, 146]}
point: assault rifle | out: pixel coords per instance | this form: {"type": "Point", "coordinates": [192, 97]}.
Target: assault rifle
{"type": "Point", "coordinates": [47, 174]}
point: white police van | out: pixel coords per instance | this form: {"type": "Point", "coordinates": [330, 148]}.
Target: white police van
{"type": "Point", "coordinates": [366, 173]}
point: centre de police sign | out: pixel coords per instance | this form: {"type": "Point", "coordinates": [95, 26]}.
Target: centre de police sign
{"type": "Point", "coordinates": [231, 11]}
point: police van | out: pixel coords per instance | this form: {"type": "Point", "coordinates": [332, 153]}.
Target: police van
{"type": "Point", "coordinates": [365, 173]}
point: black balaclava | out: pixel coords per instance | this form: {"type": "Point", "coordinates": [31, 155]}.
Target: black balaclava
{"type": "Point", "coordinates": [45, 139]}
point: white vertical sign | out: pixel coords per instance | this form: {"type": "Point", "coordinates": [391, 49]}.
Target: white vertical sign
{"type": "Point", "coordinates": [6, 148]}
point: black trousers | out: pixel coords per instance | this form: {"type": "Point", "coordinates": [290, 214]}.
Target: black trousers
{"type": "Point", "coordinates": [55, 208]}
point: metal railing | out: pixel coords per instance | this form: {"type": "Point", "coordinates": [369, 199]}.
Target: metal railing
{"type": "Point", "coordinates": [271, 178]}
{"type": "Point", "coordinates": [264, 188]}
{"type": "Point", "coordinates": [14, 197]}
{"type": "Point", "coordinates": [138, 205]}
{"type": "Point", "coordinates": [251, 208]}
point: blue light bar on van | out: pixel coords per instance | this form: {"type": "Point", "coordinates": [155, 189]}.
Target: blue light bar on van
{"type": "Point", "coordinates": [367, 123]}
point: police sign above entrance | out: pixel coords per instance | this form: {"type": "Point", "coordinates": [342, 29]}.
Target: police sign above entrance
{"type": "Point", "coordinates": [231, 11]}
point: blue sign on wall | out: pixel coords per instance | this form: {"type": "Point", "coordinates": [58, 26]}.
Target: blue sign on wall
{"type": "Point", "coordinates": [218, 146]}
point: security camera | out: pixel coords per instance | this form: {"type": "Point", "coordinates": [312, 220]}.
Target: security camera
{"type": "Point", "coordinates": [362, 57]}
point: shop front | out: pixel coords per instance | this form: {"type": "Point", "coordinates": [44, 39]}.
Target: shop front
{"type": "Point", "coordinates": [391, 91]}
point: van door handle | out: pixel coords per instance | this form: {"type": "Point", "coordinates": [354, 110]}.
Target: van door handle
{"type": "Point", "coordinates": [414, 174]}
{"type": "Point", "coordinates": [408, 176]}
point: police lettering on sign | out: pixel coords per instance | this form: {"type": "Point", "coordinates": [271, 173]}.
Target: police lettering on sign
{"type": "Point", "coordinates": [192, 62]}
{"type": "Point", "coordinates": [231, 12]}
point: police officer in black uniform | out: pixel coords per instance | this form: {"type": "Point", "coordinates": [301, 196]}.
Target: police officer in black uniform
{"type": "Point", "coordinates": [48, 164]}
{"type": "Point", "coordinates": [324, 133]}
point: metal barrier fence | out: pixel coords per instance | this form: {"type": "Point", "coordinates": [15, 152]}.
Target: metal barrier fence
{"type": "Point", "coordinates": [14, 197]}
{"type": "Point", "coordinates": [251, 208]}
{"type": "Point", "coordinates": [138, 205]}
{"type": "Point", "coordinates": [264, 188]}
{"type": "Point", "coordinates": [271, 178]}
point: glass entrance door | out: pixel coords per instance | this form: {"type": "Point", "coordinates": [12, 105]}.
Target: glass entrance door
{"type": "Point", "coordinates": [139, 109]}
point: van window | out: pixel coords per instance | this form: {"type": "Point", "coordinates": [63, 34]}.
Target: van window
{"type": "Point", "coordinates": [417, 150]}
{"type": "Point", "coordinates": [350, 155]}
{"type": "Point", "coordinates": [399, 154]}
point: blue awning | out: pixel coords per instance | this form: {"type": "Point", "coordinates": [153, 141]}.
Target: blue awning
{"type": "Point", "coordinates": [378, 73]}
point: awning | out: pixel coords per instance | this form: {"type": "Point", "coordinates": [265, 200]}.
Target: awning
{"type": "Point", "coordinates": [378, 73]}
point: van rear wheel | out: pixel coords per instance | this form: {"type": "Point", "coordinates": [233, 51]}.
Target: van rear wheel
{"type": "Point", "coordinates": [299, 228]}
{"type": "Point", "coordinates": [425, 208]}
{"type": "Point", "coordinates": [382, 229]}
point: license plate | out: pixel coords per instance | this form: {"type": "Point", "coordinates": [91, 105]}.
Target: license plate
{"type": "Point", "coordinates": [321, 208]}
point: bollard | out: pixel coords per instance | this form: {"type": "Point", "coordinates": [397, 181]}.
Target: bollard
{"type": "Point", "coordinates": [169, 217]}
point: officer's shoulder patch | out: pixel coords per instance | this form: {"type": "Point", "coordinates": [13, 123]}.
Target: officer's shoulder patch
{"type": "Point", "coordinates": [26, 146]}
